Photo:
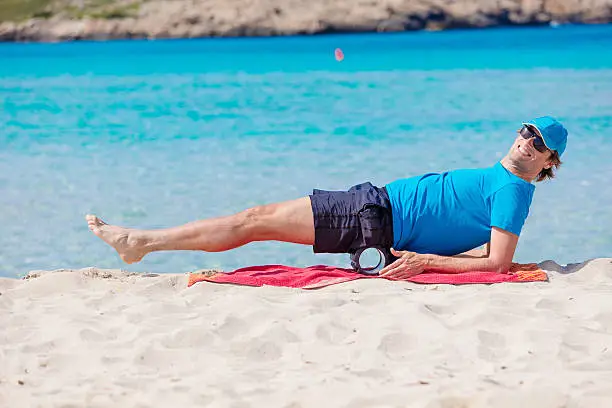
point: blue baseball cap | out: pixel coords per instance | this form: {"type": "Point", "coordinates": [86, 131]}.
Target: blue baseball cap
{"type": "Point", "coordinates": [552, 132]}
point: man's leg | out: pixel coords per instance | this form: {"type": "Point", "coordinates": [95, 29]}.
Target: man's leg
{"type": "Point", "coordinates": [289, 221]}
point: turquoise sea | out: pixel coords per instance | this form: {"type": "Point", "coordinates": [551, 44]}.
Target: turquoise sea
{"type": "Point", "coordinates": [158, 133]}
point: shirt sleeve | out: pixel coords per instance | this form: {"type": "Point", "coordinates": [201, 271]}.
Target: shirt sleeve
{"type": "Point", "coordinates": [510, 208]}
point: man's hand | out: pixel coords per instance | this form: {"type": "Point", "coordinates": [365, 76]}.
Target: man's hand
{"type": "Point", "coordinates": [408, 265]}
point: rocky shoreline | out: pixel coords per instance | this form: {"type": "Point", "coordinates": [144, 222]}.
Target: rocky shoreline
{"type": "Point", "coordinates": [157, 19]}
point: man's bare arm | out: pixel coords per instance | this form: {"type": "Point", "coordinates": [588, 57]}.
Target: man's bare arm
{"type": "Point", "coordinates": [497, 258]}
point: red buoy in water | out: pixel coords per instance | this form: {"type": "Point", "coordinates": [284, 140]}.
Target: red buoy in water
{"type": "Point", "coordinates": [339, 54]}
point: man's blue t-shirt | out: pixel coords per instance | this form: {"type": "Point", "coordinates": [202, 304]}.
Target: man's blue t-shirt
{"type": "Point", "coordinates": [453, 212]}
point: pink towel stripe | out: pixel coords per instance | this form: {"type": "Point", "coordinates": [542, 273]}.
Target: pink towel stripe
{"type": "Point", "coordinates": [318, 276]}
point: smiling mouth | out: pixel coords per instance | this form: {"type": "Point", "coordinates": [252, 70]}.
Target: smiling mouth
{"type": "Point", "coordinates": [523, 151]}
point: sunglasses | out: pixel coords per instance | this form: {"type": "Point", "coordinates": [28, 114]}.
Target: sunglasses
{"type": "Point", "coordinates": [538, 142]}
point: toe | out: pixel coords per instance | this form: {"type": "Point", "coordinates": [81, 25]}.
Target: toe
{"type": "Point", "coordinates": [93, 220]}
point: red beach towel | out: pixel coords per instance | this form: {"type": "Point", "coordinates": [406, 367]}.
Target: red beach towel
{"type": "Point", "coordinates": [318, 276]}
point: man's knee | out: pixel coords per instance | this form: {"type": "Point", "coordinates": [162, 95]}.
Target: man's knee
{"type": "Point", "coordinates": [290, 221]}
{"type": "Point", "coordinates": [254, 220]}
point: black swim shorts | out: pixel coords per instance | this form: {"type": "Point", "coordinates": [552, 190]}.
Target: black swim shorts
{"type": "Point", "coordinates": [348, 220]}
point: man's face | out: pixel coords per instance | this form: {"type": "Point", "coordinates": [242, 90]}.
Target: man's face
{"type": "Point", "coordinates": [527, 157]}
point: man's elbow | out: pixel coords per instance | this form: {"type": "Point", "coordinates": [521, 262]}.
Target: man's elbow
{"type": "Point", "coordinates": [500, 266]}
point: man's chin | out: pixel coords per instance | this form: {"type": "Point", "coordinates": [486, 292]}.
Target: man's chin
{"type": "Point", "coordinates": [517, 157]}
{"type": "Point", "coordinates": [520, 162]}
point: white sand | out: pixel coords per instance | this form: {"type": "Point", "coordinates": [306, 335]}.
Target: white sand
{"type": "Point", "coordinates": [99, 338]}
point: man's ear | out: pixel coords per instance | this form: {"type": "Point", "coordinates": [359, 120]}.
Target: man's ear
{"type": "Point", "coordinates": [548, 165]}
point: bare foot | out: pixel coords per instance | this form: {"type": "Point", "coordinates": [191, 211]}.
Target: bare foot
{"type": "Point", "coordinates": [130, 247]}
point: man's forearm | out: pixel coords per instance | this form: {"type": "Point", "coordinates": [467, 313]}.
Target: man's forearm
{"type": "Point", "coordinates": [448, 264]}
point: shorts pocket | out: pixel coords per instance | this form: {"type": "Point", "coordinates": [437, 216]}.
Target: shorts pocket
{"type": "Point", "coordinates": [376, 227]}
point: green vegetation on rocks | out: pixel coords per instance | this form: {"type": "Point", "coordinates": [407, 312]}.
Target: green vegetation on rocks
{"type": "Point", "coordinates": [20, 10]}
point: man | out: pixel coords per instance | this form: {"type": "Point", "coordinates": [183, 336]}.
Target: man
{"type": "Point", "coordinates": [433, 222]}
